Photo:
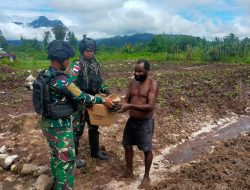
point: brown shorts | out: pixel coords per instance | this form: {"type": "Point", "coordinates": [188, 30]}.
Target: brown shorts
{"type": "Point", "coordinates": [139, 132]}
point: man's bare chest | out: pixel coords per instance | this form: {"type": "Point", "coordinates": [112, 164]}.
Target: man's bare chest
{"type": "Point", "coordinates": [140, 90]}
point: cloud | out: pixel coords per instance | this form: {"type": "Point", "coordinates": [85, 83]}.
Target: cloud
{"type": "Point", "coordinates": [85, 5]}
{"type": "Point", "coordinates": [245, 4]}
{"type": "Point", "coordinates": [138, 16]}
{"type": "Point", "coordinates": [14, 32]}
{"type": "Point", "coordinates": [126, 18]}
{"type": "Point", "coordinates": [23, 4]}
{"type": "Point", "coordinates": [241, 26]}
{"type": "Point", "coordinates": [100, 19]}
{"type": "Point", "coordinates": [3, 17]}
{"type": "Point", "coordinates": [25, 16]}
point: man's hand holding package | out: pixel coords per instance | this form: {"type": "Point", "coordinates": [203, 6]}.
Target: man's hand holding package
{"type": "Point", "coordinates": [124, 107]}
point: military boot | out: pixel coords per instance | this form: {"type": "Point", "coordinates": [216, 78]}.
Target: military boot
{"type": "Point", "coordinates": [94, 144]}
{"type": "Point", "coordinates": [79, 162]}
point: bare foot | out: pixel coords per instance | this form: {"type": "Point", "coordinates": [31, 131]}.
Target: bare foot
{"type": "Point", "coordinates": [127, 174]}
{"type": "Point", "coordinates": [145, 183]}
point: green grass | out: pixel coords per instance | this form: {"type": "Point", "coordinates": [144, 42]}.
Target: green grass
{"type": "Point", "coordinates": [38, 60]}
{"type": "Point", "coordinates": [116, 56]}
{"type": "Point", "coordinates": [31, 64]}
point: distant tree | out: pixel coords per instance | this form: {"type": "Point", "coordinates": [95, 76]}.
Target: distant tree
{"type": "Point", "coordinates": [139, 47]}
{"type": "Point", "coordinates": [157, 44]}
{"type": "Point", "coordinates": [106, 48]}
{"type": "Point", "coordinates": [217, 41]}
{"type": "Point", "coordinates": [128, 48]}
{"type": "Point", "coordinates": [214, 54]}
{"type": "Point", "coordinates": [3, 41]}
{"type": "Point", "coordinates": [60, 32]}
{"type": "Point", "coordinates": [30, 44]}
{"type": "Point", "coordinates": [71, 38]}
{"type": "Point", "coordinates": [189, 53]}
{"type": "Point", "coordinates": [245, 46]}
{"type": "Point", "coordinates": [46, 37]}
{"type": "Point", "coordinates": [231, 45]}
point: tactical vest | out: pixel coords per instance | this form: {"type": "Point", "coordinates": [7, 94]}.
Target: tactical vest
{"type": "Point", "coordinates": [90, 80]}
{"type": "Point", "coordinates": [42, 101]}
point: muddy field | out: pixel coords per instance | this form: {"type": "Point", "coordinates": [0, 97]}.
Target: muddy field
{"type": "Point", "coordinates": [227, 167]}
{"type": "Point", "coordinates": [191, 98]}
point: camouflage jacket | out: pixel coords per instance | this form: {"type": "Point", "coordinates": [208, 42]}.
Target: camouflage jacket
{"type": "Point", "coordinates": [61, 88]}
{"type": "Point", "coordinates": [86, 74]}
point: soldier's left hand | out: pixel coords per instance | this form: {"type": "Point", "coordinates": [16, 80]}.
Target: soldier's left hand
{"type": "Point", "coordinates": [107, 92]}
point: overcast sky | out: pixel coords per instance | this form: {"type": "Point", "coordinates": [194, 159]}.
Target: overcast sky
{"type": "Point", "coordinates": [107, 18]}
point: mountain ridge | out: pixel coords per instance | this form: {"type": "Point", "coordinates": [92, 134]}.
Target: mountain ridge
{"type": "Point", "coordinates": [120, 41]}
{"type": "Point", "coordinates": [43, 21]}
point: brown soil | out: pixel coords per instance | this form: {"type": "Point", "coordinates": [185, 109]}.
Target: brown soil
{"type": "Point", "coordinates": [228, 167]}
{"type": "Point", "coordinates": [189, 95]}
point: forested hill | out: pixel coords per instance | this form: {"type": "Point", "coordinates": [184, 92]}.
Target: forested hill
{"type": "Point", "coordinates": [119, 41]}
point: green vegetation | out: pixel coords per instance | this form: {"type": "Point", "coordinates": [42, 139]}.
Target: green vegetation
{"type": "Point", "coordinates": [184, 49]}
{"type": "Point", "coordinates": [124, 56]}
{"type": "Point", "coordinates": [31, 53]}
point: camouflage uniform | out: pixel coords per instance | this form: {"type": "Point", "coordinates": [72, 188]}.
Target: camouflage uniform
{"type": "Point", "coordinates": [59, 132]}
{"type": "Point", "coordinates": [86, 74]}
{"type": "Point", "coordinates": [78, 127]}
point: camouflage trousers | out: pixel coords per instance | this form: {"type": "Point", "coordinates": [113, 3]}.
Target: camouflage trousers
{"type": "Point", "coordinates": [79, 120]}
{"type": "Point", "coordinates": [62, 160]}
{"type": "Point", "coordinates": [78, 127]}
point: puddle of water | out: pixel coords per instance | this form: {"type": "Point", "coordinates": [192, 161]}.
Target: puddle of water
{"type": "Point", "coordinates": [191, 150]}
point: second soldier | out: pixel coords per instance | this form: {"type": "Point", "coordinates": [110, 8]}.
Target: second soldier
{"type": "Point", "coordinates": [86, 74]}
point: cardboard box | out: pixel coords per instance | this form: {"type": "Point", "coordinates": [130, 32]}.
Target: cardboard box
{"type": "Point", "coordinates": [99, 115]}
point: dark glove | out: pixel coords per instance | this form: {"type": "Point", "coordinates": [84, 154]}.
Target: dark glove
{"type": "Point", "coordinates": [106, 91]}
{"type": "Point", "coordinates": [90, 105]}
{"type": "Point", "coordinates": [115, 108]}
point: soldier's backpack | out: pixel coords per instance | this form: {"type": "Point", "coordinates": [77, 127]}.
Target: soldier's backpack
{"type": "Point", "coordinates": [42, 100]}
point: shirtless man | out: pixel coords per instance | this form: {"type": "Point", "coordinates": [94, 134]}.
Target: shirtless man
{"type": "Point", "coordinates": [140, 101]}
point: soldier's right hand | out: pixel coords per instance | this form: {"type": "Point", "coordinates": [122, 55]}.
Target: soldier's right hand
{"type": "Point", "coordinates": [115, 108]}
{"type": "Point", "coordinates": [108, 102]}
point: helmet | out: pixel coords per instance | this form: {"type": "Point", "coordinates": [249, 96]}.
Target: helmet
{"type": "Point", "coordinates": [60, 50]}
{"type": "Point", "coordinates": [87, 44]}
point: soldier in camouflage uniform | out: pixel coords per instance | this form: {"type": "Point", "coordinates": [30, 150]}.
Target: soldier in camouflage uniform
{"type": "Point", "coordinates": [86, 73]}
{"type": "Point", "coordinates": [58, 132]}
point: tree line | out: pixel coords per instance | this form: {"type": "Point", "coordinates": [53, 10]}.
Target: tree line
{"type": "Point", "coordinates": [194, 48]}
{"type": "Point", "coordinates": [60, 33]}
{"type": "Point", "coordinates": [175, 47]}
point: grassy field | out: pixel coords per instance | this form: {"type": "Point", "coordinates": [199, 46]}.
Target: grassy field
{"type": "Point", "coordinates": [38, 60]}
{"type": "Point", "coordinates": [35, 60]}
